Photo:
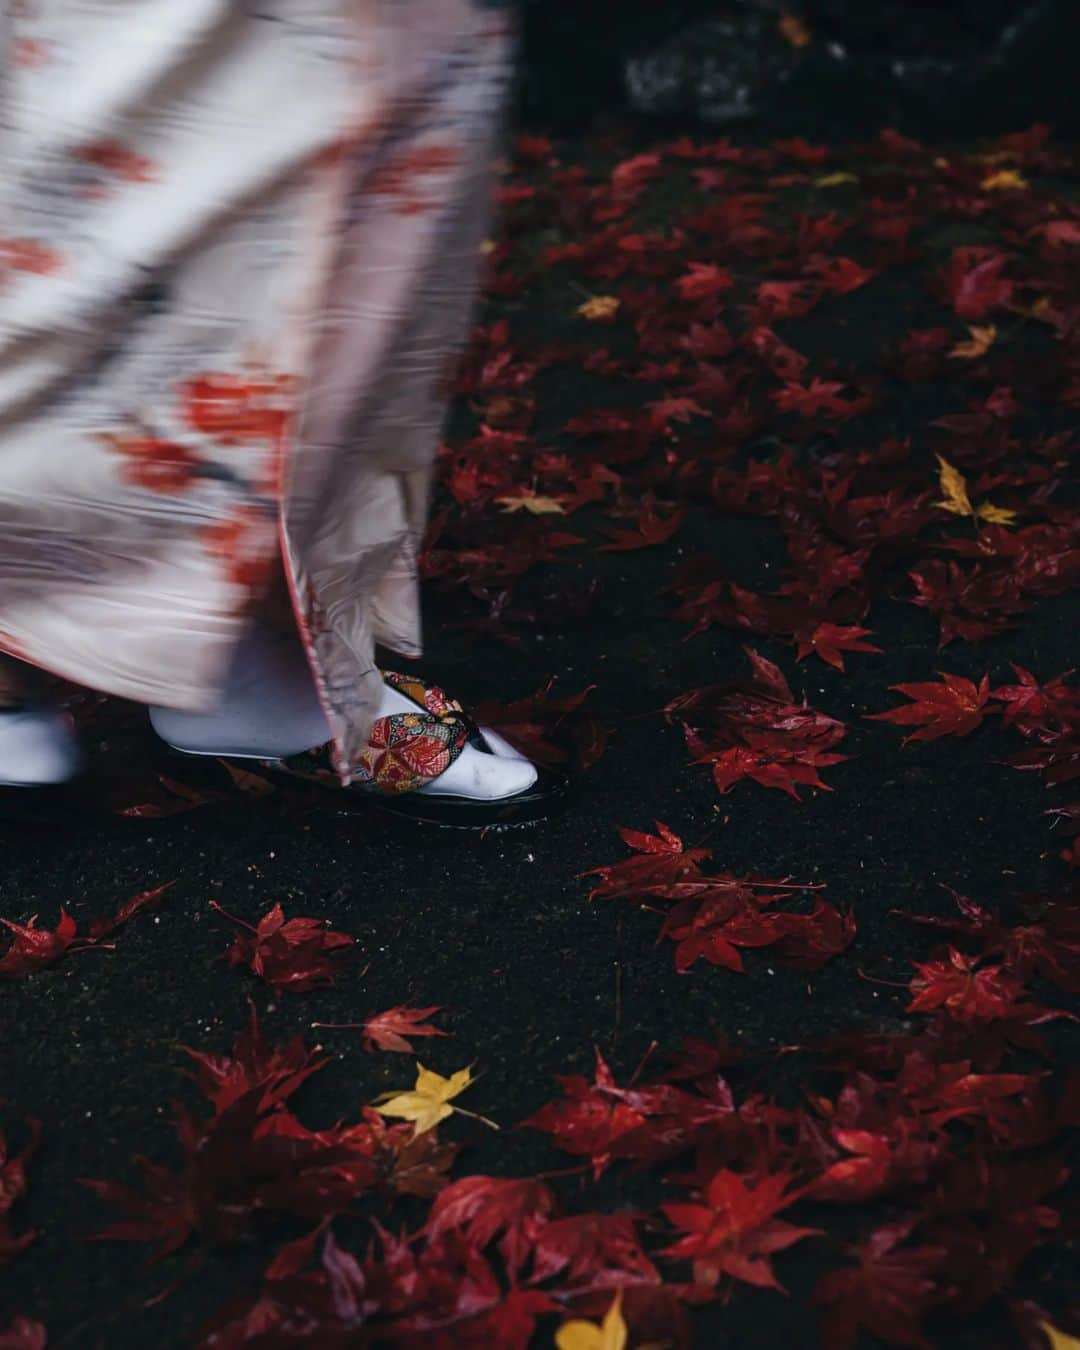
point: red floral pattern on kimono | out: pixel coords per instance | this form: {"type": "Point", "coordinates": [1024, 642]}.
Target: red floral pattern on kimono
{"type": "Point", "coordinates": [232, 275]}
{"type": "Point", "coordinates": [116, 158]}
{"type": "Point", "coordinates": [234, 409]}
{"type": "Point", "coordinates": [155, 464]}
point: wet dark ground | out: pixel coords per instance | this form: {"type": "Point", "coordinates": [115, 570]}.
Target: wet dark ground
{"type": "Point", "coordinates": [498, 929]}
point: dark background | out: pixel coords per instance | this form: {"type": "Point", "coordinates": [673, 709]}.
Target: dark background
{"type": "Point", "coordinates": [922, 66]}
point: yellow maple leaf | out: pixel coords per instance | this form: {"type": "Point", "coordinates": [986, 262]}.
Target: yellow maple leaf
{"type": "Point", "coordinates": [1058, 1339]}
{"type": "Point", "coordinates": [794, 31]}
{"type": "Point", "coordinates": [1042, 309]}
{"type": "Point", "coordinates": [599, 307]}
{"type": "Point", "coordinates": [955, 498]}
{"type": "Point", "coordinates": [609, 1335]}
{"type": "Point", "coordinates": [953, 489]}
{"type": "Point", "coordinates": [982, 339]}
{"type": "Point", "coordinates": [536, 506]}
{"type": "Point", "coordinates": [429, 1101]}
{"type": "Point", "coordinates": [1005, 180]}
{"type": "Point", "coordinates": [835, 179]}
{"type": "Point", "coordinates": [996, 515]}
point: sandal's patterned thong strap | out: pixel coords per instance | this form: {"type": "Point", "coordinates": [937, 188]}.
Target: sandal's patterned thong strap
{"type": "Point", "coordinates": [404, 750]}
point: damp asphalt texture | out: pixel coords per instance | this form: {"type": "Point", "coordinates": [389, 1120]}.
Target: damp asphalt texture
{"type": "Point", "coordinates": [498, 930]}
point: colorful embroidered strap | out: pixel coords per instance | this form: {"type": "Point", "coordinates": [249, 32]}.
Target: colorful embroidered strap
{"type": "Point", "coordinates": [428, 696]}
{"type": "Point", "coordinates": [406, 750]}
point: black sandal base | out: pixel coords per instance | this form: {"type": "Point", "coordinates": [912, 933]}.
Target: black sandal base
{"type": "Point", "coordinates": [547, 797]}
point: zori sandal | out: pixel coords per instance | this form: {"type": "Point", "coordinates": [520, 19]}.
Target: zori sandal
{"type": "Point", "coordinates": [425, 759]}
{"type": "Point", "coordinates": [428, 760]}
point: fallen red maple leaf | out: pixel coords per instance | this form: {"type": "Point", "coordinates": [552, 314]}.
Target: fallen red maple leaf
{"type": "Point", "coordinates": [819, 396]}
{"type": "Point", "coordinates": [973, 282]}
{"type": "Point", "coordinates": [1057, 757]}
{"type": "Point", "coordinates": [666, 863]}
{"type": "Point", "coordinates": [771, 761]}
{"type": "Point", "coordinates": [24, 1333]}
{"type": "Point", "coordinates": [784, 361]}
{"type": "Point", "coordinates": [328, 1301]}
{"type": "Point", "coordinates": [276, 1070]}
{"type": "Point", "coordinates": [602, 1121]}
{"type": "Point", "coordinates": [158, 1213]}
{"type": "Point", "coordinates": [1046, 945]}
{"type": "Point", "coordinates": [441, 1293]}
{"type": "Point", "coordinates": [703, 280]}
{"type": "Point", "coordinates": [955, 707]}
{"type": "Point", "coordinates": [664, 841]}
{"type": "Point", "coordinates": [840, 275]}
{"type": "Point", "coordinates": [988, 1237]}
{"type": "Point", "coordinates": [864, 1164]}
{"type": "Point", "coordinates": [664, 411]}
{"type": "Point", "coordinates": [830, 641]}
{"type": "Point", "coordinates": [290, 955]}
{"type": "Point", "coordinates": [481, 1208]}
{"type": "Point", "coordinates": [970, 604]}
{"type": "Point", "coordinates": [733, 1230]}
{"type": "Point", "coordinates": [34, 948]}
{"type": "Point", "coordinates": [652, 528]}
{"type": "Point", "coordinates": [512, 1322]}
{"type": "Point", "coordinates": [577, 1248]}
{"type": "Point", "coordinates": [12, 1189]}
{"type": "Point", "coordinates": [888, 1293]}
{"type": "Point", "coordinates": [1031, 706]}
{"type": "Point", "coordinates": [727, 915]}
{"type": "Point", "coordinates": [705, 342]}
{"type": "Point", "coordinates": [955, 1093]}
{"type": "Point", "coordinates": [251, 1158]}
{"type": "Point", "coordinates": [969, 991]}
{"type": "Point", "coordinates": [405, 1163]}
{"type": "Point", "coordinates": [588, 1121]}
{"type": "Point", "coordinates": [808, 941]}
{"type": "Point", "coordinates": [759, 732]}
{"type": "Point", "coordinates": [807, 400]}
{"type": "Point", "coordinates": [389, 1030]}
{"type": "Point", "coordinates": [151, 899]}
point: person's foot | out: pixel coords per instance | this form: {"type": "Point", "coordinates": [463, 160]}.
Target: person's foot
{"type": "Point", "coordinates": [419, 730]}
{"type": "Point", "coordinates": [268, 709]}
{"type": "Point", "coordinates": [425, 758]}
{"type": "Point", "coordinates": [38, 747]}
